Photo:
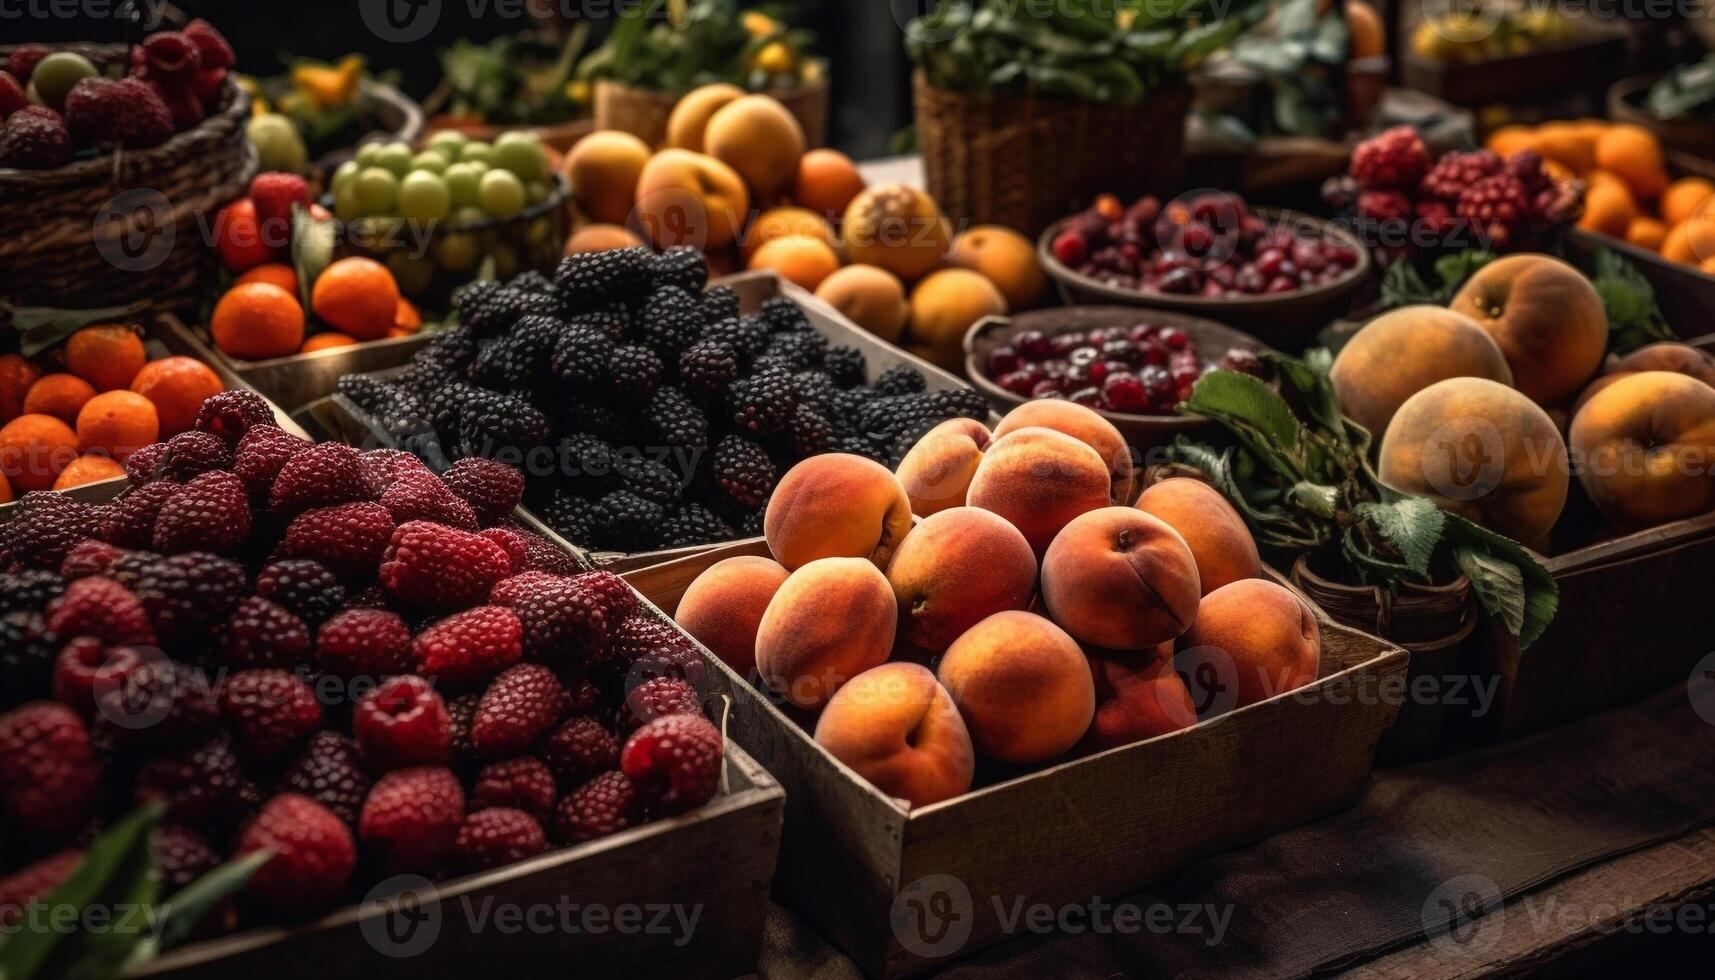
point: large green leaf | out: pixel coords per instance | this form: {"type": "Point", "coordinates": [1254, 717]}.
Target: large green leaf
{"type": "Point", "coordinates": [1258, 416]}
{"type": "Point", "coordinates": [1634, 317]}
{"type": "Point", "coordinates": [1411, 525]}
{"type": "Point", "coordinates": [1510, 583]}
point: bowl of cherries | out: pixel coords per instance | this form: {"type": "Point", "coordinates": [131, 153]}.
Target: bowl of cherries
{"type": "Point", "coordinates": [1278, 274]}
{"type": "Point", "coordinates": [1133, 366]}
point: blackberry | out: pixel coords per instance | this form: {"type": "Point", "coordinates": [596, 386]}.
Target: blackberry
{"type": "Point", "coordinates": [614, 321]}
{"type": "Point", "coordinates": [470, 300]}
{"type": "Point", "coordinates": [531, 281]}
{"type": "Point", "coordinates": [27, 652]}
{"type": "Point", "coordinates": [707, 367]}
{"type": "Point", "coordinates": [762, 404]}
{"type": "Point", "coordinates": [593, 279]}
{"type": "Point", "coordinates": [634, 372]}
{"type": "Point", "coordinates": [671, 320]}
{"type": "Point", "coordinates": [744, 472]}
{"type": "Point", "coordinates": [502, 365]}
{"type": "Point", "coordinates": [693, 524]}
{"type": "Point", "coordinates": [446, 407]}
{"type": "Point", "coordinates": [846, 366]}
{"type": "Point", "coordinates": [187, 595]}
{"type": "Point", "coordinates": [672, 419]}
{"type": "Point", "coordinates": [572, 517]}
{"type": "Point", "coordinates": [491, 424]}
{"type": "Point", "coordinates": [751, 524]}
{"type": "Point", "coordinates": [720, 303]}
{"type": "Point", "coordinates": [901, 379]}
{"type": "Point", "coordinates": [648, 478]}
{"type": "Point", "coordinates": [587, 459]}
{"type": "Point", "coordinates": [859, 446]}
{"type": "Point", "coordinates": [626, 520]}
{"type": "Point", "coordinates": [746, 336]}
{"type": "Point", "coordinates": [886, 418]}
{"type": "Point", "coordinates": [453, 350]}
{"type": "Point", "coordinates": [499, 310]}
{"type": "Point", "coordinates": [782, 315]}
{"type": "Point", "coordinates": [681, 266]}
{"type": "Point", "coordinates": [30, 590]}
{"type": "Point", "coordinates": [581, 356]}
{"type": "Point", "coordinates": [845, 407]}
{"type": "Point", "coordinates": [809, 432]}
{"type": "Point", "coordinates": [804, 350]}
{"type": "Point", "coordinates": [302, 586]}
{"type": "Point", "coordinates": [814, 387]}
{"type": "Point", "coordinates": [601, 420]}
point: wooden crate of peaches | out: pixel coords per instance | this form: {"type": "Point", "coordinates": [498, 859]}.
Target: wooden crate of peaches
{"type": "Point", "coordinates": [963, 660]}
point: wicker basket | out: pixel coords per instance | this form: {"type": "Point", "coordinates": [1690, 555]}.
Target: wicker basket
{"type": "Point", "coordinates": [1027, 162]}
{"type": "Point", "coordinates": [127, 226]}
{"type": "Point", "coordinates": [643, 112]}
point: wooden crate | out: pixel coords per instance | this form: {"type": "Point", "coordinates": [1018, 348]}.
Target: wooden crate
{"type": "Point", "coordinates": [1588, 64]}
{"type": "Point", "coordinates": [864, 867]}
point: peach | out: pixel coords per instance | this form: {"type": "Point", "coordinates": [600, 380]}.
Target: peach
{"type": "Point", "coordinates": [945, 306]}
{"type": "Point", "coordinates": [686, 198]}
{"type": "Point", "coordinates": [723, 607]}
{"type": "Point", "coordinates": [782, 222]}
{"type": "Point", "coordinates": [896, 726]}
{"type": "Point", "coordinates": [1645, 446]}
{"type": "Point", "coordinates": [603, 169]}
{"type": "Point", "coordinates": [1039, 480]}
{"type": "Point", "coordinates": [759, 138]}
{"type": "Point", "coordinates": [1007, 259]}
{"type": "Point", "coordinates": [1252, 640]}
{"type": "Point", "coordinates": [1666, 356]}
{"type": "Point", "coordinates": [830, 621]}
{"type": "Point", "coordinates": [1219, 541]}
{"type": "Point", "coordinates": [1547, 319]}
{"type": "Point", "coordinates": [899, 228]}
{"type": "Point", "coordinates": [955, 570]}
{"type": "Point", "coordinates": [836, 505]}
{"type": "Point", "coordinates": [870, 297]}
{"type": "Point", "coordinates": [1083, 424]}
{"type": "Point", "coordinates": [601, 238]}
{"type": "Point", "coordinates": [936, 472]}
{"type": "Point", "coordinates": [799, 259]}
{"type": "Point", "coordinates": [1138, 696]}
{"type": "Point", "coordinates": [827, 181]}
{"type": "Point", "coordinates": [1404, 351]}
{"type": "Point", "coordinates": [1483, 451]}
{"type": "Point", "coordinates": [1022, 685]}
{"type": "Point", "coordinates": [689, 120]}
{"type": "Point", "coordinates": [1122, 579]}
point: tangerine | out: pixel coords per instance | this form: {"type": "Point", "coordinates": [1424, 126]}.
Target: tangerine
{"type": "Point", "coordinates": [827, 181]}
{"type": "Point", "coordinates": [107, 356]}
{"type": "Point", "coordinates": [277, 273]}
{"type": "Point", "coordinates": [17, 374]}
{"type": "Point", "coordinates": [256, 321]}
{"type": "Point", "coordinates": [117, 424]}
{"type": "Point", "coordinates": [327, 340]}
{"type": "Point", "coordinates": [59, 395]}
{"type": "Point", "coordinates": [177, 386]}
{"type": "Point", "coordinates": [33, 451]}
{"type": "Point", "coordinates": [88, 469]}
{"type": "Point", "coordinates": [358, 296]}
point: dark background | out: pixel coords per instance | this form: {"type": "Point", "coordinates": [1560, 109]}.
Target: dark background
{"type": "Point", "coordinates": [861, 39]}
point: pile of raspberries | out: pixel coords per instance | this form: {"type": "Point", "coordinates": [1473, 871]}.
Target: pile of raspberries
{"type": "Point", "coordinates": [339, 656]}
{"type": "Point", "coordinates": [1492, 203]}
{"type": "Point", "coordinates": [666, 414]}
{"type": "Point", "coordinates": [175, 79]}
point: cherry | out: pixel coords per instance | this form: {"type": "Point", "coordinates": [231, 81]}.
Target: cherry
{"type": "Point", "coordinates": [1124, 392]}
{"type": "Point", "coordinates": [1003, 360]}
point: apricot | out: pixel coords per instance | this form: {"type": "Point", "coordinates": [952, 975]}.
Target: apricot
{"type": "Point", "coordinates": [945, 306]}
{"type": "Point", "coordinates": [1220, 542]}
{"type": "Point", "coordinates": [723, 607]}
{"type": "Point", "coordinates": [1483, 451]}
{"type": "Point", "coordinates": [603, 169]}
{"type": "Point", "coordinates": [936, 472]}
{"type": "Point", "coordinates": [955, 570]}
{"type": "Point", "coordinates": [1122, 579]}
{"type": "Point", "coordinates": [1138, 696]}
{"type": "Point", "coordinates": [1568, 144]}
{"type": "Point", "coordinates": [870, 297]}
{"type": "Point", "coordinates": [827, 181]}
{"type": "Point", "coordinates": [1022, 686]}
{"type": "Point", "coordinates": [1683, 197]}
{"type": "Point", "coordinates": [1634, 154]}
{"type": "Point", "coordinates": [759, 138]}
{"type": "Point", "coordinates": [601, 238]}
{"type": "Point", "coordinates": [689, 120]}
{"type": "Point", "coordinates": [899, 228]}
{"type": "Point", "coordinates": [1508, 140]}
{"type": "Point", "coordinates": [686, 198]}
{"type": "Point", "coordinates": [799, 259]}
{"type": "Point", "coordinates": [1083, 424]}
{"type": "Point", "coordinates": [1252, 638]}
{"type": "Point", "coordinates": [1007, 259]}
{"type": "Point", "coordinates": [896, 726]}
{"type": "Point", "coordinates": [836, 505]}
{"type": "Point", "coordinates": [1609, 208]}
{"type": "Point", "coordinates": [1404, 351]}
{"type": "Point", "coordinates": [1546, 317]}
{"type": "Point", "coordinates": [782, 222]}
{"type": "Point", "coordinates": [1645, 447]}
{"type": "Point", "coordinates": [830, 621]}
{"type": "Point", "coordinates": [1665, 356]}
{"type": "Point", "coordinates": [1646, 232]}
{"type": "Point", "coordinates": [1039, 480]}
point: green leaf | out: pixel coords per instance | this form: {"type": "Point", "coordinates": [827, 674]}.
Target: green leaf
{"type": "Point", "coordinates": [1509, 582]}
{"type": "Point", "coordinates": [1634, 317]}
{"type": "Point", "coordinates": [312, 250]}
{"type": "Point", "coordinates": [1258, 416]}
{"type": "Point", "coordinates": [181, 914]}
{"type": "Point", "coordinates": [1402, 286]}
{"type": "Point", "coordinates": [1411, 525]}
{"type": "Point", "coordinates": [1454, 269]}
{"type": "Point", "coordinates": [42, 328]}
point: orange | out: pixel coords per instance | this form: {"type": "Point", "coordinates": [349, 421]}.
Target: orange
{"type": "Point", "coordinates": [257, 321]}
{"type": "Point", "coordinates": [178, 386]}
{"type": "Point", "coordinates": [1570, 144]}
{"type": "Point", "coordinates": [88, 469]}
{"type": "Point", "coordinates": [1682, 198]}
{"type": "Point", "coordinates": [59, 395]}
{"type": "Point", "coordinates": [1634, 154]}
{"type": "Point", "coordinates": [799, 258]}
{"type": "Point", "coordinates": [327, 341]}
{"type": "Point", "coordinates": [358, 296]}
{"type": "Point", "coordinates": [1646, 232]}
{"type": "Point", "coordinates": [6, 495]}
{"type": "Point", "coordinates": [1510, 139]}
{"type": "Point", "coordinates": [827, 181]}
{"type": "Point", "coordinates": [107, 356]}
{"type": "Point", "coordinates": [277, 273]}
{"type": "Point", "coordinates": [780, 222]}
{"type": "Point", "coordinates": [16, 377]}
{"type": "Point", "coordinates": [1608, 208]}
{"type": "Point", "coordinates": [1368, 38]}
{"type": "Point", "coordinates": [1690, 241]}
{"type": "Point", "coordinates": [407, 317]}
{"type": "Point", "coordinates": [117, 423]}
{"type": "Point", "coordinates": [33, 451]}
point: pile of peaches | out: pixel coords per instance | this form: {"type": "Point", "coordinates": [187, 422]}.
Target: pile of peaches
{"type": "Point", "coordinates": [1001, 597]}
{"type": "Point", "coordinates": [734, 179]}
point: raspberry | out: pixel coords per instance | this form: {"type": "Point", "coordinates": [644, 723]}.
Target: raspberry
{"type": "Point", "coordinates": [1497, 205]}
{"type": "Point", "coordinates": [1436, 217]}
{"type": "Point", "coordinates": [211, 45]}
{"type": "Point", "coordinates": [605, 805]}
{"type": "Point", "coordinates": [303, 587]}
{"type": "Point", "coordinates": [101, 608]}
{"type": "Point", "coordinates": [232, 413]}
{"type": "Point", "coordinates": [274, 194]}
{"type": "Point", "coordinates": [1395, 159]}
{"type": "Point", "coordinates": [85, 662]}
{"type": "Point", "coordinates": [260, 454]}
{"type": "Point", "coordinates": [542, 555]}
{"type": "Point", "coordinates": [331, 772]}
{"type": "Point", "coordinates": [171, 57]}
{"type": "Point", "coordinates": [493, 489]}
{"type": "Point", "coordinates": [401, 723]}
{"type": "Point", "coordinates": [142, 466]}
{"type": "Point", "coordinates": [642, 637]}
{"type": "Point", "coordinates": [159, 702]}
{"type": "Point", "coordinates": [34, 881]}
{"type": "Point", "coordinates": [437, 567]}
{"type": "Point", "coordinates": [88, 558]}
{"type": "Point", "coordinates": [44, 526]}
{"type": "Point", "coordinates": [260, 633]}
{"type": "Point", "coordinates": [191, 454]}
{"type": "Point", "coordinates": [24, 58]}
{"type": "Point", "coordinates": [140, 118]}
{"type": "Point", "coordinates": [314, 855]}
{"type": "Point", "coordinates": [270, 711]}
{"type": "Point", "coordinates": [207, 85]}
{"type": "Point", "coordinates": [210, 513]}
{"type": "Point", "coordinates": [186, 594]}
{"type": "Point", "coordinates": [659, 697]}
{"type": "Point", "coordinates": [472, 646]}
{"type": "Point", "coordinates": [202, 785]}
{"type": "Point", "coordinates": [320, 476]}
{"type": "Point", "coordinates": [523, 783]}
{"type": "Point", "coordinates": [422, 496]}
{"type": "Point", "coordinates": [348, 538]}
{"type": "Point", "coordinates": [563, 619]}
{"type": "Point", "coordinates": [36, 138]}
{"type": "Point", "coordinates": [619, 601]}
{"type": "Point", "coordinates": [1456, 171]}
{"type": "Point", "coordinates": [412, 817]}
{"type": "Point", "coordinates": [1384, 205]}
{"type": "Point", "coordinates": [48, 771]}
{"type": "Point", "coordinates": [89, 110]}
{"type": "Point", "coordinates": [182, 105]}
{"type": "Point", "coordinates": [579, 748]}
{"type": "Point", "coordinates": [497, 837]}
{"type": "Point", "coordinates": [512, 541]}
{"type": "Point", "coordinates": [675, 762]}
{"type": "Point", "coordinates": [181, 855]}
{"type": "Point", "coordinates": [364, 643]}
{"type": "Point", "coordinates": [130, 523]}
{"type": "Point", "coordinates": [522, 704]}
{"type": "Point", "coordinates": [383, 466]}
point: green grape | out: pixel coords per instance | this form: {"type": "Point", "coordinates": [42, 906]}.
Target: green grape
{"type": "Point", "coordinates": [501, 193]}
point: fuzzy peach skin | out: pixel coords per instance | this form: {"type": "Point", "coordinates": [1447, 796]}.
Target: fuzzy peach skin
{"type": "Point", "coordinates": [836, 506]}
{"type": "Point", "coordinates": [1022, 685]}
{"type": "Point", "coordinates": [1214, 531]}
{"type": "Point", "coordinates": [1665, 356]}
{"type": "Point", "coordinates": [1547, 318]}
{"type": "Point", "coordinates": [723, 608]}
{"type": "Point", "coordinates": [1404, 351]}
{"type": "Point", "coordinates": [830, 621]}
{"type": "Point", "coordinates": [1084, 425]}
{"type": "Point", "coordinates": [936, 472]}
{"type": "Point", "coordinates": [1645, 447]}
{"type": "Point", "coordinates": [896, 726]}
{"type": "Point", "coordinates": [1253, 639]}
{"type": "Point", "coordinates": [1138, 696]}
{"type": "Point", "coordinates": [686, 198]}
{"type": "Point", "coordinates": [956, 569]}
{"type": "Point", "coordinates": [1122, 579]}
{"type": "Point", "coordinates": [1040, 479]}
